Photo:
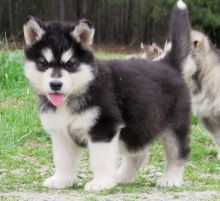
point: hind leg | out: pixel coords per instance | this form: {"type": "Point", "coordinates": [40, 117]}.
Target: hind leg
{"type": "Point", "coordinates": [175, 161]}
{"type": "Point", "coordinates": [216, 139]}
{"type": "Point", "coordinates": [212, 125]}
{"type": "Point", "coordinates": [130, 165]}
{"type": "Point", "coordinates": [176, 142]}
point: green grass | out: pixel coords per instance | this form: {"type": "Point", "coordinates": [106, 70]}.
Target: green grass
{"type": "Point", "coordinates": [25, 149]}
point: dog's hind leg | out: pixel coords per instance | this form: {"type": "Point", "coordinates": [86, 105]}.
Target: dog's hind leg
{"type": "Point", "coordinates": [216, 140]}
{"type": "Point", "coordinates": [130, 165]}
{"type": "Point", "coordinates": [176, 140]}
{"type": "Point", "coordinates": [212, 125]}
{"type": "Point", "coordinates": [174, 162]}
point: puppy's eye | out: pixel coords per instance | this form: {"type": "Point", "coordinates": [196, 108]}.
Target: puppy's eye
{"type": "Point", "coordinates": [43, 62]}
{"type": "Point", "coordinates": [71, 65]}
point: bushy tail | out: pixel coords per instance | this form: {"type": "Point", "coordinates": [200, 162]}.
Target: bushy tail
{"type": "Point", "coordinates": [179, 36]}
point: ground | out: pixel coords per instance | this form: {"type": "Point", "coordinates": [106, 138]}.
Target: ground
{"type": "Point", "coordinates": [26, 157]}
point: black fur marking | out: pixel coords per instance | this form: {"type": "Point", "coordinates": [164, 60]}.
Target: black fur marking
{"type": "Point", "coordinates": [211, 123]}
{"type": "Point", "coordinates": [83, 101]}
{"type": "Point", "coordinates": [197, 77]}
{"type": "Point", "coordinates": [79, 103]}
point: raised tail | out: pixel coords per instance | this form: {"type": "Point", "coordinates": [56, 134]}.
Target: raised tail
{"type": "Point", "coordinates": [180, 30]}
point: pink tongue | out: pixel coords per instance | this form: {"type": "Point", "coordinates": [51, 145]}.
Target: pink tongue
{"type": "Point", "coordinates": [56, 99]}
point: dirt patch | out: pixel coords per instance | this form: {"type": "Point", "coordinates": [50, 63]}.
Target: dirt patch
{"type": "Point", "coordinates": [155, 196]}
{"type": "Point", "coordinates": [12, 102]}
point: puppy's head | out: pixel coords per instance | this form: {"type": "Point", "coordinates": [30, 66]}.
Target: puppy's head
{"type": "Point", "coordinates": [201, 43]}
{"type": "Point", "coordinates": [58, 58]}
{"type": "Point", "coordinates": [151, 51]}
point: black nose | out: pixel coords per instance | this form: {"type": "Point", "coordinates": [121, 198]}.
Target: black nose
{"type": "Point", "coordinates": [56, 86]}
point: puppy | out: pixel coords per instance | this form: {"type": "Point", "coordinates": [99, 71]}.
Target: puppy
{"type": "Point", "coordinates": [112, 107]}
{"type": "Point", "coordinates": [150, 51]}
{"type": "Point", "coordinates": [202, 75]}
{"type": "Point", "coordinates": [147, 52]}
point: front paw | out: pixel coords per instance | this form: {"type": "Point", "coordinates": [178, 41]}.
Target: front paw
{"type": "Point", "coordinates": [99, 185]}
{"type": "Point", "coordinates": [170, 181]}
{"type": "Point", "coordinates": [57, 182]}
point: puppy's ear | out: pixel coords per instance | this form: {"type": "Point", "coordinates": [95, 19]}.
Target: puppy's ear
{"type": "Point", "coordinates": [84, 32]}
{"type": "Point", "coordinates": [200, 44]}
{"type": "Point", "coordinates": [196, 43]}
{"type": "Point", "coordinates": [34, 29]}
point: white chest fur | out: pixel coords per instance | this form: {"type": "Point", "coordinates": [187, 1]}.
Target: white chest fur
{"type": "Point", "coordinates": [62, 120]}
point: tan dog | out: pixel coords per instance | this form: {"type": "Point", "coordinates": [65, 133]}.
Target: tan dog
{"type": "Point", "coordinates": [202, 74]}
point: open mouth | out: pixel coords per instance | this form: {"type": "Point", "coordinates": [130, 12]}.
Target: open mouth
{"type": "Point", "coordinates": [56, 98]}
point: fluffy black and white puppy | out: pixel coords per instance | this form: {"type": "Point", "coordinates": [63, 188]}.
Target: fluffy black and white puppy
{"type": "Point", "coordinates": [112, 107]}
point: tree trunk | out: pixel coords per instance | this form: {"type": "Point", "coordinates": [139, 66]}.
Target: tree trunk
{"type": "Point", "coordinates": [62, 10]}
{"type": "Point", "coordinates": [10, 19]}
{"type": "Point", "coordinates": [130, 27]}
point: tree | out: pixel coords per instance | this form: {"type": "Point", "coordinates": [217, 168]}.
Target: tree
{"type": "Point", "coordinates": [116, 21]}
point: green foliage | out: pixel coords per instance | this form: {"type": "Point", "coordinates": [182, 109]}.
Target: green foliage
{"type": "Point", "coordinates": [11, 71]}
{"type": "Point", "coordinates": [195, 120]}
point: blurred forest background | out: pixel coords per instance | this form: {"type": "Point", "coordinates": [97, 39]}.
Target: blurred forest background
{"type": "Point", "coordinates": [125, 22]}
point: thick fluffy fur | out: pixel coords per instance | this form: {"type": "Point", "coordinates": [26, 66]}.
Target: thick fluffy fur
{"type": "Point", "coordinates": [202, 74]}
{"type": "Point", "coordinates": [112, 107]}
